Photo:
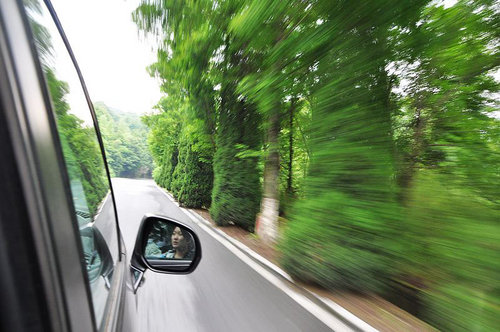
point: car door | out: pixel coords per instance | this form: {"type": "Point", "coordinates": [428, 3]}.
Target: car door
{"type": "Point", "coordinates": [69, 232]}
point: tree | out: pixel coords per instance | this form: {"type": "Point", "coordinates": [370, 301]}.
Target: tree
{"type": "Point", "coordinates": [124, 137]}
{"type": "Point", "coordinates": [191, 64]}
{"type": "Point", "coordinates": [268, 85]}
{"type": "Point", "coordinates": [236, 193]}
{"type": "Point", "coordinates": [445, 137]}
{"type": "Point", "coordinates": [377, 117]}
{"type": "Point", "coordinates": [345, 230]}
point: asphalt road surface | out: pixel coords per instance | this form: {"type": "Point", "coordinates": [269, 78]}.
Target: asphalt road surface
{"type": "Point", "coordinates": [222, 294]}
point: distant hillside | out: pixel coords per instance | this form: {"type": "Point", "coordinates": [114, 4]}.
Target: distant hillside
{"type": "Point", "coordinates": [125, 140]}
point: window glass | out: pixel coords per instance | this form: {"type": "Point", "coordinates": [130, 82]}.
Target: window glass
{"type": "Point", "coordinates": [84, 163]}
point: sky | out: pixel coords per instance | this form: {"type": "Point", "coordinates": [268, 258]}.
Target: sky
{"type": "Point", "coordinates": [110, 52]}
{"type": "Point", "coordinates": [113, 56]}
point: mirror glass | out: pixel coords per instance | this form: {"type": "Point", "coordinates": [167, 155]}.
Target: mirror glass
{"type": "Point", "coordinates": [169, 246]}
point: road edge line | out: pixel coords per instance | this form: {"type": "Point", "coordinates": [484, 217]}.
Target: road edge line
{"type": "Point", "coordinates": [276, 273]}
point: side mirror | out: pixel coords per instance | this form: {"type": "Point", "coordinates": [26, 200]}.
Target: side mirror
{"type": "Point", "coordinates": [164, 245]}
{"type": "Point", "coordinates": [98, 260]}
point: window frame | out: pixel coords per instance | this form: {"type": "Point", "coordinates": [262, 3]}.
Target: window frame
{"type": "Point", "coordinates": [45, 184]}
{"type": "Point", "coordinates": [43, 177]}
{"type": "Point", "coordinates": [93, 114]}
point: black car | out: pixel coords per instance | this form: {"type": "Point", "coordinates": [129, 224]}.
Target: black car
{"type": "Point", "coordinates": [64, 264]}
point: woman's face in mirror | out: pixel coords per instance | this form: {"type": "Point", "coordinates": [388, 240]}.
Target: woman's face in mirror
{"type": "Point", "coordinates": [178, 241]}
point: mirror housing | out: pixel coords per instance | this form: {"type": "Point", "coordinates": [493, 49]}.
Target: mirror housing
{"type": "Point", "coordinates": [98, 260]}
{"type": "Point", "coordinates": [151, 251]}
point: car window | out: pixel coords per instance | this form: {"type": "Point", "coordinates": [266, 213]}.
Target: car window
{"type": "Point", "coordinates": [89, 184]}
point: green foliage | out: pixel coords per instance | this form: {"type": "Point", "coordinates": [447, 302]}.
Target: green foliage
{"type": "Point", "coordinates": [449, 154]}
{"type": "Point", "coordinates": [82, 154]}
{"type": "Point", "coordinates": [191, 64]}
{"type": "Point", "coordinates": [453, 307]}
{"type": "Point", "coordinates": [182, 152]}
{"type": "Point", "coordinates": [163, 141]}
{"type": "Point", "coordinates": [350, 195]}
{"type": "Point", "coordinates": [80, 147]}
{"type": "Point", "coordinates": [455, 258]}
{"type": "Point", "coordinates": [349, 231]}
{"type": "Point", "coordinates": [125, 142]}
{"type": "Point", "coordinates": [167, 167]}
{"type": "Point", "coordinates": [193, 179]}
{"type": "Point", "coordinates": [299, 129]}
{"type": "Point", "coordinates": [389, 161]}
{"type": "Point", "coordinates": [236, 192]}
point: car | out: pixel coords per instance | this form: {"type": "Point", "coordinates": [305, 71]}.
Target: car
{"type": "Point", "coordinates": [65, 266]}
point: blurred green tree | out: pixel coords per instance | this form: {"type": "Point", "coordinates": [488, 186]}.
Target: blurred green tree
{"type": "Point", "coordinates": [125, 141]}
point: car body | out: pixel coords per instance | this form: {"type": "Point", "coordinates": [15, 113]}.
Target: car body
{"type": "Point", "coordinates": [65, 266]}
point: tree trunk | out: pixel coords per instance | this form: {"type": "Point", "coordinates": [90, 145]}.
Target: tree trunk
{"type": "Point", "coordinates": [267, 223]}
{"type": "Point", "coordinates": [289, 188]}
{"type": "Point", "coordinates": [267, 227]}
{"type": "Point", "coordinates": [405, 179]}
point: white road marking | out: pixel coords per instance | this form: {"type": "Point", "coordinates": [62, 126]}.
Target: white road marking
{"type": "Point", "coordinates": [320, 313]}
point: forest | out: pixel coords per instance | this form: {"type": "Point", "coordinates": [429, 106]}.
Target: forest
{"type": "Point", "coordinates": [360, 137]}
{"type": "Point", "coordinates": [124, 141]}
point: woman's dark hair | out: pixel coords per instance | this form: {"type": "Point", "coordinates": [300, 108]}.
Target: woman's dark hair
{"type": "Point", "coordinates": [190, 243]}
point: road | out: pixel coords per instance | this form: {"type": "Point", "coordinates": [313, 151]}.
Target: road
{"type": "Point", "coordinates": [223, 294]}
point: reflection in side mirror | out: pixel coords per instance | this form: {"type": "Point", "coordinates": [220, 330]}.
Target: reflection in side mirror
{"type": "Point", "coordinates": [166, 246]}
{"type": "Point", "coordinates": [169, 246]}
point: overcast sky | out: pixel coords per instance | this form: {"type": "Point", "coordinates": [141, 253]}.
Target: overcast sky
{"type": "Point", "coordinates": [111, 55]}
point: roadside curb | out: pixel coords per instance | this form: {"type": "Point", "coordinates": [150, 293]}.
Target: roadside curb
{"type": "Point", "coordinates": [327, 304]}
{"type": "Point", "coordinates": [333, 307]}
